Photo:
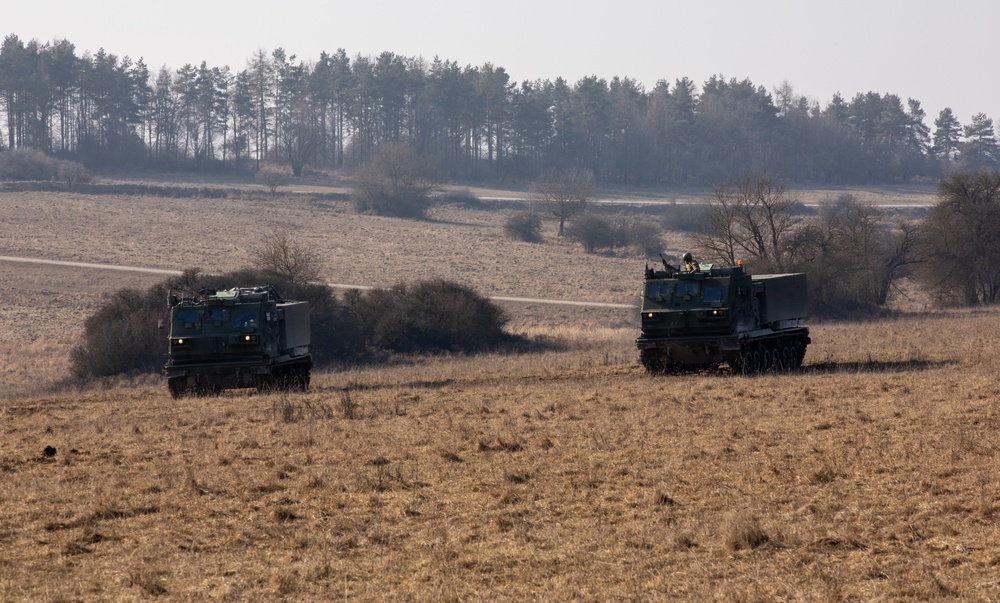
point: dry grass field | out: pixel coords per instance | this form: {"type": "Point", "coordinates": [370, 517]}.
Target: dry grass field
{"type": "Point", "coordinates": [570, 474]}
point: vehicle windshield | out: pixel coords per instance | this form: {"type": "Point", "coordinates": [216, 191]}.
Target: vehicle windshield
{"type": "Point", "coordinates": [244, 318]}
{"type": "Point", "coordinates": [217, 314]}
{"type": "Point", "coordinates": [687, 288]}
{"type": "Point", "coordinates": [714, 294]}
{"type": "Point", "coordinates": [658, 291]}
{"type": "Point", "coordinates": [186, 315]}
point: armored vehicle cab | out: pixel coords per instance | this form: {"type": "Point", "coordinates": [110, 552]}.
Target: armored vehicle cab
{"type": "Point", "coordinates": [242, 337]}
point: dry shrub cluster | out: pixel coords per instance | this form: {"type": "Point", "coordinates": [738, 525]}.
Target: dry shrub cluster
{"type": "Point", "coordinates": [524, 226]}
{"type": "Point", "coordinates": [122, 336]}
{"type": "Point", "coordinates": [436, 315]}
{"type": "Point", "coordinates": [273, 176]}
{"type": "Point", "coordinates": [594, 231]}
{"type": "Point", "coordinates": [682, 217]}
{"type": "Point", "coordinates": [461, 197]}
{"type": "Point", "coordinates": [33, 165]}
{"type": "Point", "coordinates": [27, 164]}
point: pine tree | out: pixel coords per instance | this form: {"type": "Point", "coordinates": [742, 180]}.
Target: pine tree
{"type": "Point", "coordinates": [980, 150]}
{"type": "Point", "coordinates": [947, 134]}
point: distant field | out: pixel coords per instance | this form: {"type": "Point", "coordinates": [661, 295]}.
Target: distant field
{"type": "Point", "coordinates": [221, 234]}
{"type": "Point", "coordinates": [905, 194]}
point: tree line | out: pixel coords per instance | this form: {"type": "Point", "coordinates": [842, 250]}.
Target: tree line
{"type": "Point", "coordinates": [333, 111]}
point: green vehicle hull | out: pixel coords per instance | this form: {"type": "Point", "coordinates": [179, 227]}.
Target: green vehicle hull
{"type": "Point", "coordinates": [722, 315]}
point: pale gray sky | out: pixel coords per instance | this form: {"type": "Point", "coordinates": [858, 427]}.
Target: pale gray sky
{"type": "Point", "coordinates": [941, 54]}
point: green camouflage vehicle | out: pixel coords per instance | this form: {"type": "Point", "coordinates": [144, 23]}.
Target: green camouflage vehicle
{"type": "Point", "coordinates": [243, 337]}
{"type": "Point", "coordinates": [714, 315]}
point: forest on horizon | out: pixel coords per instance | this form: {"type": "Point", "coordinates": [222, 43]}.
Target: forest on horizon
{"type": "Point", "coordinates": [331, 112]}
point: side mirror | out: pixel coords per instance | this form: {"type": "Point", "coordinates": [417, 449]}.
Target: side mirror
{"type": "Point", "coordinates": [159, 324]}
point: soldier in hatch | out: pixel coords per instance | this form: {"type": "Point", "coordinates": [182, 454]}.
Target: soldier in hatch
{"type": "Point", "coordinates": [689, 265]}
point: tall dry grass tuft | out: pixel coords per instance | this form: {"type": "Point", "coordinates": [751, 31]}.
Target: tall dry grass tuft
{"type": "Point", "coordinates": [744, 532]}
{"type": "Point", "coordinates": [150, 582]}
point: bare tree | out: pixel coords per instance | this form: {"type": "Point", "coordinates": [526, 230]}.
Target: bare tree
{"type": "Point", "coordinates": [564, 194]}
{"type": "Point", "coordinates": [864, 251]}
{"type": "Point", "coordinates": [902, 251]}
{"type": "Point", "coordinates": [72, 173]}
{"type": "Point", "coordinates": [299, 143]}
{"type": "Point", "coordinates": [272, 176]}
{"type": "Point", "coordinates": [281, 253]}
{"type": "Point", "coordinates": [753, 218]}
{"type": "Point", "coordinates": [960, 240]}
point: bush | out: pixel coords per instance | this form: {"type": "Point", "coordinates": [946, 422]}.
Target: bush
{"type": "Point", "coordinates": [121, 337]}
{"type": "Point", "coordinates": [644, 238]}
{"type": "Point", "coordinates": [436, 315]}
{"type": "Point", "coordinates": [591, 231]}
{"type": "Point", "coordinates": [524, 226]}
{"type": "Point", "coordinates": [272, 176]}
{"type": "Point", "coordinates": [27, 164]}
{"type": "Point", "coordinates": [682, 218]}
{"type": "Point", "coordinates": [640, 236]}
{"type": "Point", "coordinates": [334, 333]}
{"type": "Point", "coordinates": [72, 173]}
{"type": "Point", "coordinates": [279, 252]}
{"type": "Point", "coordinates": [396, 206]}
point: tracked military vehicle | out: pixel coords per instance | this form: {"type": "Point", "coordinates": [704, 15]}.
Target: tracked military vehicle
{"type": "Point", "coordinates": [243, 337]}
{"type": "Point", "coordinates": [713, 315]}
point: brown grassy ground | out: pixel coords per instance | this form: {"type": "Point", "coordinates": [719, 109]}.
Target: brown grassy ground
{"type": "Point", "coordinates": [565, 475]}
{"type": "Point", "coordinates": [561, 476]}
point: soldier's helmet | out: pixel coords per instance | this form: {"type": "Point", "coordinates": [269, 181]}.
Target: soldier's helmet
{"type": "Point", "coordinates": [687, 256]}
